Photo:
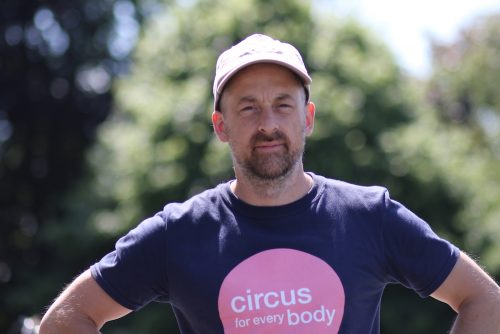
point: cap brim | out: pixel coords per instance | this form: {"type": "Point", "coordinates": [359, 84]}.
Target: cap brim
{"type": "Point", "coordinates": [227, 77]}
{"type": "Point", "coordinates": [304, 76]}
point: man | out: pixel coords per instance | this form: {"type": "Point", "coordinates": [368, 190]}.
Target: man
{"type": "Point", "coordinates": [276, 250]}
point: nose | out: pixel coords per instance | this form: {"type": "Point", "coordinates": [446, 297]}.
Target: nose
{"type": "Point", "coordinates": [268, 122]}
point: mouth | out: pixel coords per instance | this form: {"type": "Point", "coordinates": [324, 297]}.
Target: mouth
{"type": "Point", "coordinates": [263, 143]}
{"type": "Point", "coordinates": [269, 147]}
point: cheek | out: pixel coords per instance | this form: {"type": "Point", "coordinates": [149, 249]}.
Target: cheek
{"type": "Point", "coordinates": [239, 130]}
{"type": "Point", "coordinates": [235, 136]}
{"type": "Point", "coordinates": [297, 128]}
{"type": "Point", "coordinates": [240, 139]}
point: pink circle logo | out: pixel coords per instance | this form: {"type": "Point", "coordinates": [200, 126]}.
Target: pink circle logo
{"type": "Point", "coordinates": [281, 291]}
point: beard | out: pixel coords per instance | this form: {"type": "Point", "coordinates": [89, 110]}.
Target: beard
{"type": "Point", "coordinates": [271, 166]}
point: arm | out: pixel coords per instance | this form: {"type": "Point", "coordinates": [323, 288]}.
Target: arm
{"type": "Point", "coordinates": [83, 307]}
{"type": "Point", "coordinates": [474, 296]}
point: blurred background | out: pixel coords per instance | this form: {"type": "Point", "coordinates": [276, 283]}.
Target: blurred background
{"type": "Point", "coordinates": [104, 117]}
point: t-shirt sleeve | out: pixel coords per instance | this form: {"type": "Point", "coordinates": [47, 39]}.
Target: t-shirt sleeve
{"type": "Point", "coordinates": [416, 256]}
{"type": "Point", "coordinates": [134, 273]}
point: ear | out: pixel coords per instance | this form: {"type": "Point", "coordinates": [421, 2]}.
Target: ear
{"type": "Point", "coordinates": [218, 123]}
{"type": "Point", "coordinates": [310, 111]}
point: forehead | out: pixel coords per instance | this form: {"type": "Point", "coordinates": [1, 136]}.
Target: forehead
{"type": "Point", "coordinates": [261, 77]}
{"type": "Point", "coordinates": [255, 71]}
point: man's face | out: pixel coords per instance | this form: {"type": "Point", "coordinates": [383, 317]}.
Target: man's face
{"type": "Point", "coordinates": [264, 118]}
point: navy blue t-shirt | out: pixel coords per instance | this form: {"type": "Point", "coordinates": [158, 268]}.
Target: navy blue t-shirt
{"type": "Point", "coordinates": [317, 265]}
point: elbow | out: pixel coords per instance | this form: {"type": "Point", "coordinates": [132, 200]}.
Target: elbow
{"type": "Point", "coordinates": [485, 309]}
{"type": "Point", "coordinates": [60, 322]}
{"type": "Point", "coordinates": [496, 308]}
{"type": "Point", "coordinates": [53, 322]}
{"type": "Point", "coordinates": [493, 300]}
{"type": "Point", "coordinates": [48, 325]}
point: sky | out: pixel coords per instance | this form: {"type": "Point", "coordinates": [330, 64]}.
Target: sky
{"type": "Point", "coordinates": [408, 25]}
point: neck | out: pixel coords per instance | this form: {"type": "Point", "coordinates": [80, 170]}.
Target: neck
{"type": "Point", "coordinates": [279, 191]}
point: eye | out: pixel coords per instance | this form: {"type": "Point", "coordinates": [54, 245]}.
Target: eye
{"type": "Point", "coordinates": [284, 106]}
{"type": "Point", "coordinates": [248, 108]}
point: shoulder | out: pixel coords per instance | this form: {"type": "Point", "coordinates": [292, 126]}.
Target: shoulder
{"type": "Point", "coordinates": [351, 195]}
{"type": "Point", "coordinates": [206, 204]}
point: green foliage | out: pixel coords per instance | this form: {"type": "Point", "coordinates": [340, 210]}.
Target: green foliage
{"type": "Point", "coordinates": [169, 151]}
{"type": "Point", "coordinates": [456, 136]}
{"type": "Point", "coordinates": [359, 95]}
{"type": "Point", "coordinates": [464, 83]}
{"type": "Point", "coordinates": [158, 145]}
{"type": "Point", "coordinates": [57, 61]}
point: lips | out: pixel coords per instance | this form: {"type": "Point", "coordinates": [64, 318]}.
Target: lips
{"type": "Point", "coordinates": [269, 143]}
{"type": "Point", "coordinates": [269, 146]}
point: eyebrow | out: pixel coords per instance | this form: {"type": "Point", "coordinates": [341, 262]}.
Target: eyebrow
{"type": "Point", "coordinates": [248, 98]}
{"type": "Point", "coordinates": [251, 98]}
{"type": "Point", "coordinates": [284, 96]}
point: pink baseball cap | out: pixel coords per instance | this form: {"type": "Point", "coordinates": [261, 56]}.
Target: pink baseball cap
{"type": "Point", "coordinates": [254, 49]}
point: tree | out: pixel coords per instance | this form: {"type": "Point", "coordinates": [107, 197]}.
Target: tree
{"type": "Point", "coordinates": [158, 145]}
{"type": "Point", "coordinates": [456, 135]}
{"type": "Point", "coordinates": [58, 60]}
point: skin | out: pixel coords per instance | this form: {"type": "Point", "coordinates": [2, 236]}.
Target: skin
{"type": "Point", "coordinates": [265, 119]}
{"type": "Point", "coordinates": [82, 308]}
{"type": "Point", "coordinates": [475, 296]}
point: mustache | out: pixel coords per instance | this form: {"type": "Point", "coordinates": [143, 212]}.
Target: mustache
{"type": "Point", "coordinates": [262, 137]}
